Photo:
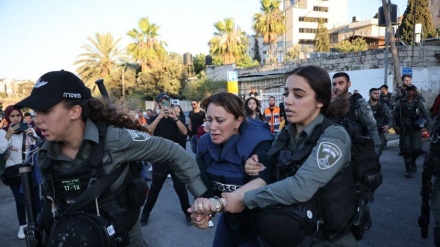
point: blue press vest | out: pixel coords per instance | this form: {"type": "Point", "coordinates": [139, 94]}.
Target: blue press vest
{"type": "Point", "coordinates": [225, 163]}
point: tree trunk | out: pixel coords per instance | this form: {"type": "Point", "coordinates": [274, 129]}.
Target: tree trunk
{"type": "Point", "coordinates": [394, 54]}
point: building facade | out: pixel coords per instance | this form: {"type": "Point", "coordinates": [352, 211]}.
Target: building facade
{"type": "Point", "coordinates": [302, 18]}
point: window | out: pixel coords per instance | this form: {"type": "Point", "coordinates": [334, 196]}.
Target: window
{"type": "Point", "coordinates": [280, 44]}
{"type": "Point", "coordinates": [307, 30]}
{"type": "Point", "coordinates": [312, 19]}
{"type": "Point", "coordinates": [306, 41]}
{"type": "Point", "coordinates": [264, 52]}
{"type": "Point", "coordinates": [320, 9]}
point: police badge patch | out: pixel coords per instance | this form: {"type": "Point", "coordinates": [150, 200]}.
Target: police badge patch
{"type": "Point", "coordinates": [138, 136]}
{"type": "Point", "coordinates": [328, 154]}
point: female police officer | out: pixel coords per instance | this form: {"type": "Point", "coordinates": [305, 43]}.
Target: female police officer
{"type": "Point", "coordinates": [324, 173]}
{"type": "Point", "coordinates": [68, 117]}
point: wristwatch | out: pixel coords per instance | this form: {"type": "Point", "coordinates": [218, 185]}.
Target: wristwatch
{"type": "Point", "coordinates": [217, 204]}
{"type": "Point", "coordinates": [176, 120]}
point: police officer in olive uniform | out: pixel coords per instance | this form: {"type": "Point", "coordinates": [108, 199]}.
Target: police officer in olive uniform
{"type": "Point", "coordinates": [407, 112]}
{"type": "Point", "coordinates": [326, 168]}
{"type": "Point", "coordinates": [70, 119]}
{"type": "Point", "coordinates": [432, 161]}
{"type": "Point", "coordinates": [385, 96]}
{"type": "Point", "coordinates": [383, 116]}
{"type": "Point", "coordinates": [360, 111]}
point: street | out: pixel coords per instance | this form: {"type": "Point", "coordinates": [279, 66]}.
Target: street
{"type": "Point", "coordinates": [394, 212]}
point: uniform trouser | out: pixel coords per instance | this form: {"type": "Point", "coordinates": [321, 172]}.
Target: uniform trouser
{"type": "Point", "coordinates": [435, 205]}
{"type": "Point", "coordinates": [412, 144]}
{"type": "Point", "coordinates": [135, 235]}
{"type": "Point", "coordinates": [383, 142]}
{"type": "Point", "coordinates": [160, 173]}
{"type": "Point", "coordinates": [347, 240]}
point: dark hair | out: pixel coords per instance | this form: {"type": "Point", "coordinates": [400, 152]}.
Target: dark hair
{"type": "Point", "coordinates": [339, 74]}
{"type": "Point", "coordinates": [385, 86]}
{"type": "Point", "coordinates": [231, 102]}
{"type": "Point", "coordinates": [373, 89]}
{"type": "Point", "coordinates": [319, 81]}
{"type": "Point", "coordinates": [100, 111]}
{"type": "Point", "coordinates": [181, 114]}
{"type": "Point", "coordinates": [7, 112]}
{"type": "Point", "coordinates": [406, 75]}
{"type": "Point", "coordinates": [249, 112]}
{"type": "Point", "coordinates": [27, 114]}
{"type": "Point", "coordinates": [271, 97]}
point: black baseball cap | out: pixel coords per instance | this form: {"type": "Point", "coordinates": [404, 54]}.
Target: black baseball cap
{"type": "Point", "coordinates": [53, 87]}
{"type": "Point", "coordinates": [161, 96]}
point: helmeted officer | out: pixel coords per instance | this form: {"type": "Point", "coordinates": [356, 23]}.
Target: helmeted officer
{"type": "Point", "coordinates": [408, 112]}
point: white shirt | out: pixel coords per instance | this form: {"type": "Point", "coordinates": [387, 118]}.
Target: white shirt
{"type": "Point", "coordinates": [14, 146]}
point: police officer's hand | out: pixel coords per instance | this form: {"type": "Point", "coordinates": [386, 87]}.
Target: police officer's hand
{"type": "Point", "coordinates": [252, 167]}
{"type": "Point", "coordinates": [203, 206]}
{"type": "Point", "coordinates": [385, 128]}
{"type": "Point", "coordinates": [234, 202]}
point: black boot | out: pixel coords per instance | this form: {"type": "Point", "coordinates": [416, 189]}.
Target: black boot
{"type": "Point", "coordinates": [413, 166]}
{"type": "Point", "coordinates": [408, 173]}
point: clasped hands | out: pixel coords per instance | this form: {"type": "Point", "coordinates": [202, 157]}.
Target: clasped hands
{"type": "Point", "coordinates": [203, 209]}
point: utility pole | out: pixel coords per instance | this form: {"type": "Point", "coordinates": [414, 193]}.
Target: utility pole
{"type": "Point", "coordinates": [396, 63]}
{"type": "Point", "coordinates": [414, 32]}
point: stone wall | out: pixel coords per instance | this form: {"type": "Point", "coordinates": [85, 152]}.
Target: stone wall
{"type": "Point", "coordinates": [366, 68]}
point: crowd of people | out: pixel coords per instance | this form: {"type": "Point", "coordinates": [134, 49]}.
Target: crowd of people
{"type": "Point", "coordinates": [251, 164]}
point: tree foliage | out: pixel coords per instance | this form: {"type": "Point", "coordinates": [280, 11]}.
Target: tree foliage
{"type": "Point", "coordinates": [292, 53]}
{"type": "Point", "coordinates": [163, 77]}
{"type": "Point", "coordinates": [146, 49]}
{"type": "Point", "coordinates": [247, 61]}
{"type": "Point", "coordinates": [269, 24]}
{"type": "Point", "coordinates": [418, 9]}
{"type": "Point", "coordinates": [358, 44]}
{"type": "Point", "coordinates": [322, 38]}
{"type": "Point", "coordinates": [257, 55]}
{"type": "Point", "coordinates": [199, 63]}
{"type": "Point", "coordinates": [229, 42]}
{"type": "Point", "coordinates": [101, 58]}
{"type": "Point", "coordinates": [199, 89]}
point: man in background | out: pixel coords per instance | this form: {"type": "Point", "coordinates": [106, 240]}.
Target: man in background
{"type": "Point", "coordinates": [166, 125]}
{"type": "Point", "coordinates": [272, 114]}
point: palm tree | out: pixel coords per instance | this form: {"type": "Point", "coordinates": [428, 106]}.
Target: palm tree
{"type": "Point", "coordinates": [269, 23]}
{"type": "Point", "coordinates": [229, 43]}
{"type": "Point", "coordinates": [146, 48]}
{"type": "Point", "coordinates": [101, 58]}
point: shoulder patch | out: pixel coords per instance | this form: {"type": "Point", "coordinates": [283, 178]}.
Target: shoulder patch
{"type": "Point", "coordinates": [328, 154]}
{"type": "Point", "coordinates": [138, 136]}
